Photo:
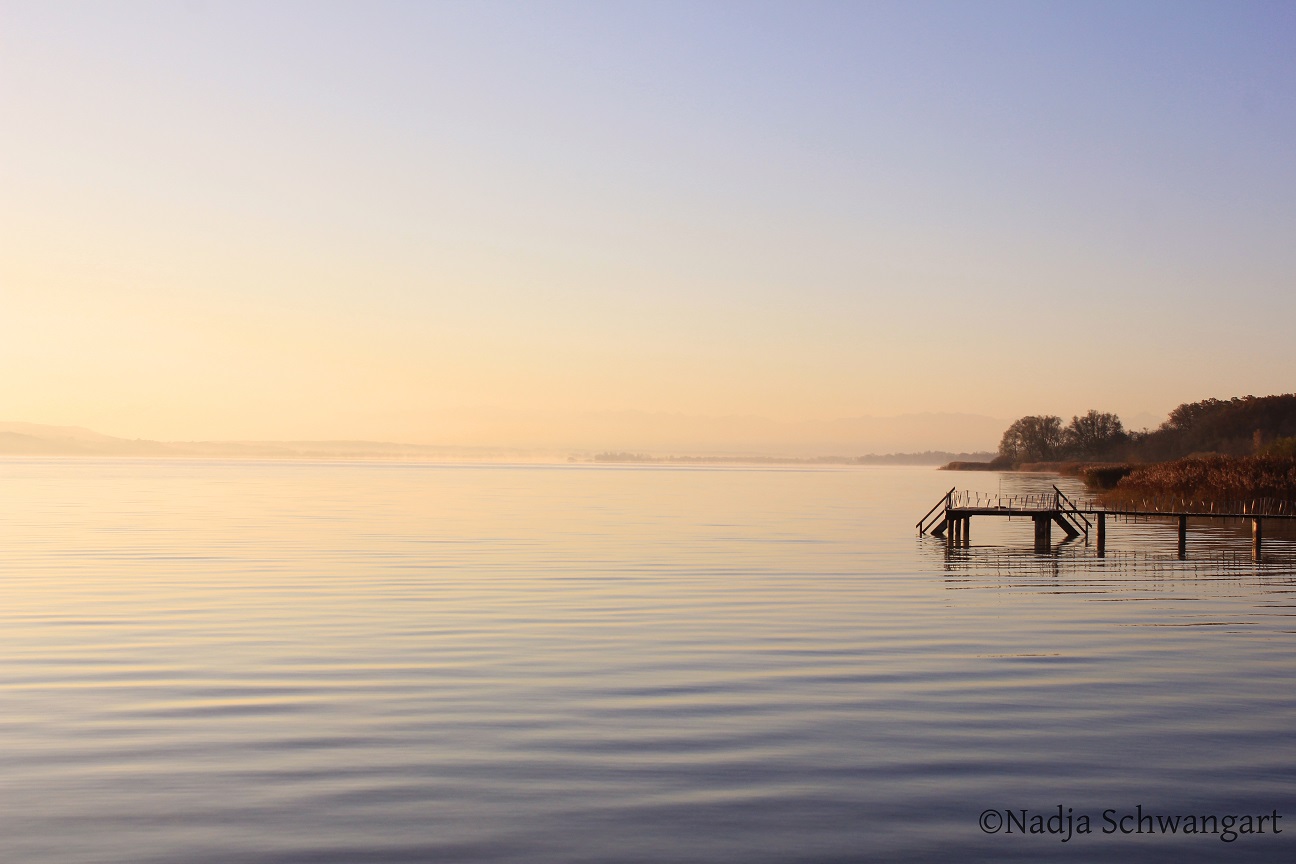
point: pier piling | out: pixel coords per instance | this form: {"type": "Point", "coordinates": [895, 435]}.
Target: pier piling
{"type": "Point", "coordinates": [1043, 532]}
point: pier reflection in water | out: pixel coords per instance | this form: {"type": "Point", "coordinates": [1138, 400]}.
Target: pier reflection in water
{"type": "Point", "coordinates": [951, 517]}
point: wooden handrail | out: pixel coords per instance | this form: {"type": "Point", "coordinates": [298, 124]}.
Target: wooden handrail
{"type": "Point", "coordinates": [1074, 509]}
{"type": "Point", "coordinates": [945, 500]}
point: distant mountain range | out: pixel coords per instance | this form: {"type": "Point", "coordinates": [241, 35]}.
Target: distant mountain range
{"type": "Point", "coordinates": [32, 439]}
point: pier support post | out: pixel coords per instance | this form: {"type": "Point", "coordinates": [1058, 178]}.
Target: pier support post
{"type": "Point", "coordinates": [949, 531]}
{"type": "Point", "coordinates": [1183, 537]}
{"type": "Point", "coordinates": [965, 534]}
{"type": "Point", "coordinates": [1102, 535]}
{"type": "Point", "coordinates": [1256, 536]}
{"type": "Point", "coordinates": [1043, 532]}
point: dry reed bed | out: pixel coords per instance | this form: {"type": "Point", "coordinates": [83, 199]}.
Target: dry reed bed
{"type": "Point", "coordinates": [1213, 484]}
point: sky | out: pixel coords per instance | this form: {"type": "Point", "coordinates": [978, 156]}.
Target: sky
{"type": "Point", "coordinates": [505, 223]}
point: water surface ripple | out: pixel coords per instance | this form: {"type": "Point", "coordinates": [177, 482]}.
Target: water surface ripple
{"type": "Point", "coordinates": [296, 662]}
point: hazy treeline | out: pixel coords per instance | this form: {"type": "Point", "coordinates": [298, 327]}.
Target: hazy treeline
{"type": "Point", "coordinates": [1241, 426]}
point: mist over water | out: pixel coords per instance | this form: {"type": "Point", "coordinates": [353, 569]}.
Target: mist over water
{"type": "Point", "coordinates": [346, 662]}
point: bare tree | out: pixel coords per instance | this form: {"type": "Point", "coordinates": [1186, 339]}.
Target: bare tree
{"type": "Point", "coordinates": [1094, 435]}
{"type": "Point", "coordinates": [1032, 439]}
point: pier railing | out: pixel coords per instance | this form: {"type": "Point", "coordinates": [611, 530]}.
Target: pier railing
{"type": "Point", "coordinates": [936, 513]}
{"type": "Point", "coordinates": [1069, 510]}
{"type": "Point", "coordinates": [1173, 505]}
{"type": "Point", "coordinates": [1080, 510]}
{"type": "Point", "coordinates": [993, 501]}
{"type": "Point", "coordinates": [951, 515]}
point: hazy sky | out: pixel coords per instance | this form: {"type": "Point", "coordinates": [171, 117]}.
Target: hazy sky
{"type": "Point", "coordinates": [398, 220]}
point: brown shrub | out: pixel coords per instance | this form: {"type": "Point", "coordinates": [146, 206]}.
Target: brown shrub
{"type": "Point", "coordinates": [1105, 476]}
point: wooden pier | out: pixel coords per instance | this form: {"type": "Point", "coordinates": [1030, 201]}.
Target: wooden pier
{"type": "Point", "coordinates": [951, 519]}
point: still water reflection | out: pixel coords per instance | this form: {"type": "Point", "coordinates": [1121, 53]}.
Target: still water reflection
{"type": "Point", "coordinates": [261, 662]}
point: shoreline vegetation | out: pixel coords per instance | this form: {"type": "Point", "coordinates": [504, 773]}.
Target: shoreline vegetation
{"type": "Point", "coordinates": [1229, 484]}
{"type": "Point", "coordinates": [1217, 455]}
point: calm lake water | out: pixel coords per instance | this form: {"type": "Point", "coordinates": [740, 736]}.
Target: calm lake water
{"type": "Point", "coordinates": [259, 662]}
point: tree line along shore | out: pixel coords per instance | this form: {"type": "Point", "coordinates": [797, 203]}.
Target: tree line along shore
{"type": "Point", "coordinates": [1216, 454]}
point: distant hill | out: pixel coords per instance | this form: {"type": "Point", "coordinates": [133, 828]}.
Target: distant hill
{"type": "Point", "coordinates": [34, 439]}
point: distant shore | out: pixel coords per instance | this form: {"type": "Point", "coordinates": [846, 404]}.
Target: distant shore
{"type": "Point", "coordinates": [1068, 467]}
{"type": "Point", "coordinates": [932, 458]}
{"type": "Point", "coordinates": [25, 440]}
{"type": "Point", "coordinates": [972, 466]}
